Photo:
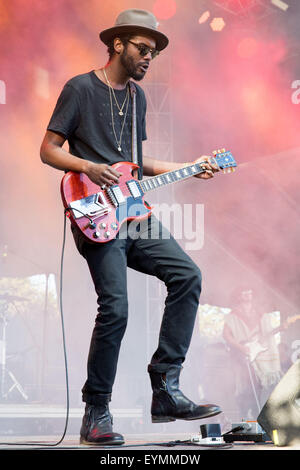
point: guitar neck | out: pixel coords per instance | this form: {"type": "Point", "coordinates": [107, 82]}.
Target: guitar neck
{"type": "Point", "coordinates": [171, 177]}
{"type": "Point", "coordinates": [290, 321]}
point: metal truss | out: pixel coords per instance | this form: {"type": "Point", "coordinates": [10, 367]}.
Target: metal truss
{"type": "Point", "coordinates": [159, 112]}
{"type": "Point", "coordinates": [246, 8]}
{"type": "Point", "coordinates": [159, 145]}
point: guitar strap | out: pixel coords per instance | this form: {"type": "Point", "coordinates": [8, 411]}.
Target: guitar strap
{"type": "Point", "coordinates": [134, 151]}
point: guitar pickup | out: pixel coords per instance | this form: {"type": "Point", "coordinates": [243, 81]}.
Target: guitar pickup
{"type": "Point", "coordinates": [134, 189]}
{"type": "Point", "coordinates": [116, 195]}
{"type": "Point", "coordinates": [90, 206]}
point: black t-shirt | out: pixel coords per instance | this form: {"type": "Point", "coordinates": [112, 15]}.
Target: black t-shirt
{"type": "Point", "coordinates": [83, 116]}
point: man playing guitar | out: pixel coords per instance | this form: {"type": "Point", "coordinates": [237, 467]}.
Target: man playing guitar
{"type": "Point", "coordinates": [255, 357]}
{"type": "Point", "coordinates": [93, 113]}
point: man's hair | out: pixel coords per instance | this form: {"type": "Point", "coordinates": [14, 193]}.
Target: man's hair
{"type": "Point", "coordinates": [123, 37]}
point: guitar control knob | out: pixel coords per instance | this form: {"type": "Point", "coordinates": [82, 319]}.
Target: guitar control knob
{"type": "Point", "coordinates": [114, 226]}
{"type": "Point", "coordinates": [107, 234]}
{"type": "Point", "coordinates": [96, 234]}
{"type": "Point", "coordinates": [103, 225]}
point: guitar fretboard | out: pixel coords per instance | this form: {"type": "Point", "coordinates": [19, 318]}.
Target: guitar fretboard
{"type": "Point", "coordinates": [171, 177]}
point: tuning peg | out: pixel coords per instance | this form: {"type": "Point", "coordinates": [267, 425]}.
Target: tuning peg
{"type": "Point", "coordinates": [229, 170]}
{"type": "Point", "coordinates": [215, 152]}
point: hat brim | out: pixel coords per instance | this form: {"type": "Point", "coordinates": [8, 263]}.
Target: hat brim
{"type": "Point", "coordinates": [108, 34]}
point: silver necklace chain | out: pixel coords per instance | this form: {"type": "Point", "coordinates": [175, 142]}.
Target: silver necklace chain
{"type": "Point", "coordinates": [120, 108]}
{"type": "Point", "coordinates": [111, 95]}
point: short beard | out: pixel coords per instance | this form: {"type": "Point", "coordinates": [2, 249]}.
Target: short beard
{"type": "Point", "coordinates": [130, 67]}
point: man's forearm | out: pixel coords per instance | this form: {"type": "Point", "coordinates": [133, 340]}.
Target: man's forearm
{"type": "Point", "coordinates": [153, 167]}
{"type": "Point", "coordinates": [54, 155]}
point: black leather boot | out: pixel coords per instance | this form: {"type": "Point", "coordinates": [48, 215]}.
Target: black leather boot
{"type": "Point", "coordinates": [97, 423]}
{"type": "Point", "coordinates": [169, 403]}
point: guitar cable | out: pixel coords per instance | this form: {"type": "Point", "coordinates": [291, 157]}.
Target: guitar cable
{"type": "Point", "coordinates": [40, 444]}
{"type": "Point", "coordinates": [92, 223]}
{"type": "Point", "coordinates": [55, 444]}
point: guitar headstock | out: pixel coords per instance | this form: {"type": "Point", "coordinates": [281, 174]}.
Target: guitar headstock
{"type": "Point", "coordinates": [224, 160]}
{"type": "Point", "coordinates": [292, 319]}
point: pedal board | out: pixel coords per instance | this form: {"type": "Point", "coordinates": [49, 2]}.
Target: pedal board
{"type": "Point", "coordinates": [249, 431]}
{"type": "Point", "coordinates": [210, 434]}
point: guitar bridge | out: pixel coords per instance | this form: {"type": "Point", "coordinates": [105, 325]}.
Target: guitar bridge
{"type": "Point", "coordinates": [90, 206]}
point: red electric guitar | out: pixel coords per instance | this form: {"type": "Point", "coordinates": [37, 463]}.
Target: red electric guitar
{"type": "Point", "coordinates": [100, 212]}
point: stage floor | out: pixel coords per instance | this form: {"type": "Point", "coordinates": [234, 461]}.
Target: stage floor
{"type": "Point", "coordinates": [20, 424]}
{"type": "Point", "coordinates": [141, 442]}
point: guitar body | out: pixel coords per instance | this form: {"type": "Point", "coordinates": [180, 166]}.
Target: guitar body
{"type": "Point", "coordinates": [100, 213]}
{"type": "Point", "coordinates": [257, 345]}
{"type": "Point", "coordinates": [254, 349]}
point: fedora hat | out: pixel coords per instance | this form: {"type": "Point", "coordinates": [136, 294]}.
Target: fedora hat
{"type": "Point", "coordinates": [135, 21]}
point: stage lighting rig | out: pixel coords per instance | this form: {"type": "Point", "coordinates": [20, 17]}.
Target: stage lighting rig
{"type": "Point", "coordinates": [280, 4]}
{"type": "Point", "coordinates": [245, 8]}
{"type": "Point", "coordinates": [204, 17]}
{"type": "Point", "coordinates": [237, 7]}
{"type": "Point", "coordinates": [217, 24]}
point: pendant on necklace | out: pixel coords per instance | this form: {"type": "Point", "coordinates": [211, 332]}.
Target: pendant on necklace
{"type": "Point", "coordinates": [121, 113]}
{"type": "Point", "coordinates": [119, 148]}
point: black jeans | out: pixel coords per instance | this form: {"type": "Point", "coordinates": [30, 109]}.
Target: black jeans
{"type": "Point", "coordinates": [155, 252]}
